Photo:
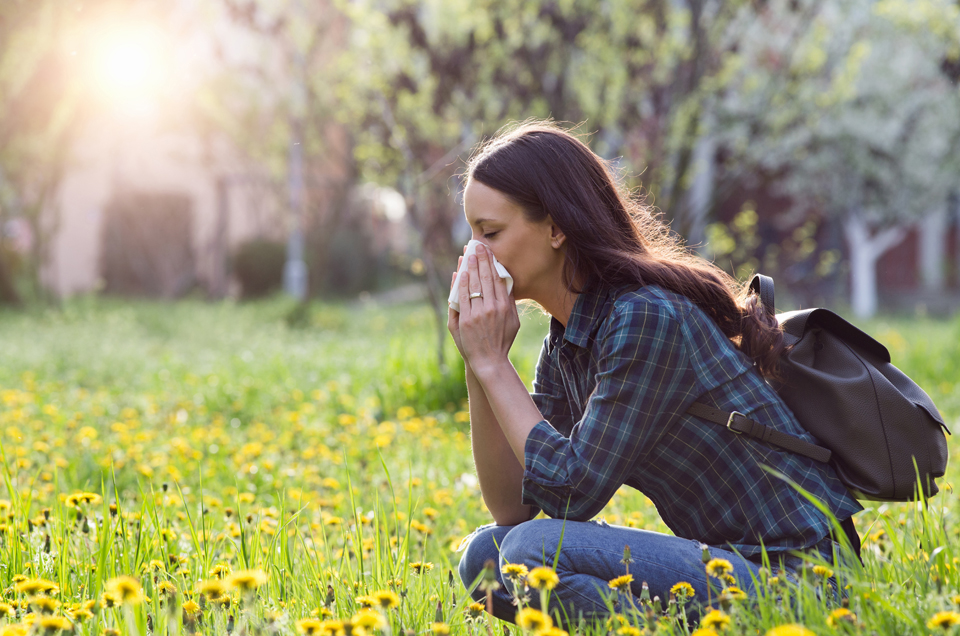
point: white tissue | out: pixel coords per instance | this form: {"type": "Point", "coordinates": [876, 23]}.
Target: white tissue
{"type": "Point", "coordinates": [454, 299]}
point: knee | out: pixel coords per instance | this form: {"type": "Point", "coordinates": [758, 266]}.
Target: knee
{"type": "Point", "coordinates": [532, 543]}
{"type": "Point", "coordinates": [481, 548]}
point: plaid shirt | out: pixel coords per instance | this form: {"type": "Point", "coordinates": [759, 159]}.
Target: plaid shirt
{"type": "Point", "coordinates": [613, 388]}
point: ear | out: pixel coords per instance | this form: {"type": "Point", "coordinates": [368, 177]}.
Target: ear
{"type": "Point", "coordinates": [557, 237]}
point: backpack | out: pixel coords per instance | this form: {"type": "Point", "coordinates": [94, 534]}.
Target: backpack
{"type": "Point", "coordinates": [877, 428]}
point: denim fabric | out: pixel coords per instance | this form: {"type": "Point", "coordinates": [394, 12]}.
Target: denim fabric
{"type": "Point", "coordinates": [590, 556]}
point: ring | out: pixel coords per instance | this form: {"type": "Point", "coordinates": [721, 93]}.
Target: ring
{"type": "Point", "coordinates": [476, 295]}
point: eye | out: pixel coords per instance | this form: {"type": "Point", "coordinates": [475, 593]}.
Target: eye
{"type": "Point", "coordinates": [490, 235]}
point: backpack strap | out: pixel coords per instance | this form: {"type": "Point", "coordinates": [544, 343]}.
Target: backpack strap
{"type": "Point", "coordinates": [742, 425]}
{"type": "Point", "coordinates": [762, 286]}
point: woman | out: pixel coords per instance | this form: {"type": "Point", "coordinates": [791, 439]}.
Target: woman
{"type": "Point", "coordinates": [640, 330]}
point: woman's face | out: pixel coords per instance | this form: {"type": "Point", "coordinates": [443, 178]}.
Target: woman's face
{"type": "Point", "coordinates": [531, 252]}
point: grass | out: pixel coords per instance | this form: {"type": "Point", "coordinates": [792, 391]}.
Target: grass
{"type": "Point", "coordinates": [173, 443]}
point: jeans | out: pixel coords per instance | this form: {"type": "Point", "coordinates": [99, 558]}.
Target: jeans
{"type": "Point", "coordinates": [591, 555]}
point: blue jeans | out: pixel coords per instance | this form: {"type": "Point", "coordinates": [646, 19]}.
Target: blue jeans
{"type": "Point", "coordinates": [590, 556]}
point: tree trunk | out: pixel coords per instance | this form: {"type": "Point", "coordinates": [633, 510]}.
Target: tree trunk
{"type": "Point", "coordinates": [865, 250]}
{"type": "Point", "coordinates": [933, 248]}
{"type": "Point", "coordinates": [700, 196]}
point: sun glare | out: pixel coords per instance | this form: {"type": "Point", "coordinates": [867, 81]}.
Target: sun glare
{"type": "Point", "coordinates": [128, 66]}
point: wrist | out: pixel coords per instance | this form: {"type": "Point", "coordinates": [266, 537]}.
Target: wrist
{"type": "Point", "coordinates": [488, 370]}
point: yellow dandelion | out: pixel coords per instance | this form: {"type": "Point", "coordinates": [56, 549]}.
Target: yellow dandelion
{"type": "Point", "coordinates": [79, 615]}
{"type": "Point", "coordinates": [542, 578]}
{"type": "Point", "coordinates": [220, 571]}
{"type": "Point", "coordinates": [514, 570]}
{"type": "Point", "coordinates": [734, 593]}
{"type": "Point", "coordinates": [191, 608]}
{"type": "Point", "coordinates": [616, 621]}
{"type": "Point", "coordinates": [6, 610]}
{"type": "Point", "coordinates": [109, 599]}
{"type": "Point", "coordinates": [629, 630]}
{"type": "Point", "coordinates": [166, 587]}
{"type": "Point", "coordinates": [213, 589]}
{"type": "Point", "coordinates": [533, 620]}
{"type": "Point", "coordinates": [386, 599]}
{"type": "Point", "coordinates": [715, 619]}
{"type": "Point", "coordinates": [822, 571]}
{"type": "Point", "coordinates": [475, 611]}
{"type": "Point", "coordinates": [553, 631]}
{"type": "Point", "coordinates": [44, 604]}
{"type": "Point", "coordinates": [127, 589]}
{"type": "Point", "coordinates": [335, 628]}
{"type": "Point", "coordinates": [841, 614]}
{"type": "Point", "coordinates": [621, 583]}
{"type": "Point", "coordinates": [439, 629]}
{"type": "Point", "coordinates": [310, 626]}
{"type": "Point", "coordinates": [247, 580]}
{"type": "Point", "coordinates": [32, 587]}
{"type": "Point", "coordinates": [773, 581]}
{"type": "Point", "coordinates": [17, 629]}
{"type": "Point", "coordinates": [682, 591]}
{"type": "Point", "coordinates": [54, 624]}
{"type": "Point", "coordinates": [717, 568]}
{"type": "Point", "coordinates": [366, 601]}
{"type": "Point", "coordinates": [705, 631]}
{"type": "Point", "coordinates": [369, 620]}
{"type": "Point", "coordinates": [421, 567]}
{"type": "Point", "coordinates": [790, 629]}
{"type": "Point", "coordinates": [156, 565]}
{"type": "Point", "coordinates": [943, 620]}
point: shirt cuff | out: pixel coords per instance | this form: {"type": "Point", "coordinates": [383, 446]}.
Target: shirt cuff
{"type": "Point", "coordinates": [544, 483]}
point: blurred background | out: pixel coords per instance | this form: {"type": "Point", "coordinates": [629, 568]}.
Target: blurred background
{"type": "Point", "coordinates": [234, 148]}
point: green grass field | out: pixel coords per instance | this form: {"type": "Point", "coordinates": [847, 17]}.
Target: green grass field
{"type": "Point", "coordinates": [253, 477]}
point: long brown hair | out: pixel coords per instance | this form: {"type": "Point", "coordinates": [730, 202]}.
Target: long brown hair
{"type": "Point", "coordinates": [613, 238]}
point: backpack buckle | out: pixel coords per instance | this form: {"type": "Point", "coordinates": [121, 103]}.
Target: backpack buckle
{"type": "Point", "coordinates": [730, 422]}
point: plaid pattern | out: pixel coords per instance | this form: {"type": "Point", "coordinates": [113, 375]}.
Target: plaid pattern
{"type": "Point", "coordinates": [613, 388]}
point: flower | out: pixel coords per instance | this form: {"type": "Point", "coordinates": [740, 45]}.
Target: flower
{"type": "Point", "coordinates": [822, 571]}
{"type": "Point", "coordinates": [475, 611]}
{"type": "Point", "coordinates": [734, 593]}
{"type": "Point", "coordinates": [515, 570]}
{"type": "Point", "coordinates": [682, 591]}
{"type": "Point", "coordinates": [533, 620]}
{"type": "Point", "coordinates": [841, 614]}
{"type": "Point", "coordinates": [109, 599]}
{"type": "Point", "coordinates": [191, 608]}
{"type": "Point", "coordinates": [126, 589]}
{"type": "Point", "coordinates": [220, 571]}
{"type": "Point", "coordinates": [542, 578]}
{"type": "Point", "coordinates": [421, 567]}
{"type": "Point", "coordinates": [715, 619]}
{"type": "Point", "coordinates": [790, 629]}
{"type": "Point", "coordinates": [629, 630]}
{"type": "Point", "coordinates": [621, 583]}
{"type": "Point", "coordinates": [366, 601]}
{"type": "Point", "coordinates": [247, 580]}
{"type": "Point", "coordinates": [386, 599]}
{"type": "Point", "coordinates": [309, 626]}
{"type": "Point", "coordinates": [943, 620]}
{"type": "Point", "coordinates": [705, 631]}
{"type": "Point", "coordinates": [553, 631]}
{"type": "Point", "coordinates": [368, 620]}
{"type": "Point", "coordinates": [54, 624]}
{"type": "Point", "coordinates": [717, 568]}
{"type": "Point", "coordinates": [6, 610]}
{"type": "Point", "coordinates": [36, 586]}
{"type": "Point", "coordinates": [44, 604]}
{"type": "Point", "coordinates": [439, 629]}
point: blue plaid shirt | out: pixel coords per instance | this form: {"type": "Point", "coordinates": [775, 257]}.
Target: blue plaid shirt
{"type": "Point", "coordinates": [614, 387]}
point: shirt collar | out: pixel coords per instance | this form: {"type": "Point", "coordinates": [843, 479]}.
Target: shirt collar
{"type": "Point", "coordinates": [589, 310]}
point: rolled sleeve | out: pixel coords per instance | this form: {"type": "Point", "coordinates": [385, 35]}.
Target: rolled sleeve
{"type": "Point", "coordinates": [643, 383]}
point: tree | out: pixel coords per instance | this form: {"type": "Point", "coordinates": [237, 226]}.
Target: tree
{"type": "Point", "coordinates": [863, 123]}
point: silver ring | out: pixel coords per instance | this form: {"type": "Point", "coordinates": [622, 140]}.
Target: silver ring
{"type": "Point", "coordinates": [476, 295]}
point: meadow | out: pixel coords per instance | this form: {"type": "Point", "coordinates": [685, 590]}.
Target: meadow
{"type": "Point", "coordinates": [221, 468]}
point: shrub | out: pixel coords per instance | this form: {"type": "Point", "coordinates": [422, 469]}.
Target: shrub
{"type": "Point", "coordinates": [258, 265]}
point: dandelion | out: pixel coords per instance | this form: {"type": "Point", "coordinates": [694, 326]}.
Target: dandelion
{"type": "Point", "coordinates": [515, 571]}
{"type": "Point", "coordinates": [616, 621]}
{"type": "Point", "coordinates": [682, 591]}
{"type": "Point", "coordinates": [621, 583]}
{"type": "Point", "coordinates": [773, 581]}
{"type": "Point", "coordinates": [841, 614]}
{"type": "Point", "coordinates": [54, 624]}
{"type": "Point", "coordinates": [310, 626]}
{"type": "Point", "coordinates": [15, 630]}
{"type": "Point", "coordinates": [386, 599]}
{"type": "Point", "coordinates": [247, 580]}
{"type": "Point", "coordinates": [421, 567]}
{"type": "Point", "coordinates": [715, 619]}
{"type": "Point", "coordinates": [542, 578]}
{"type": "Point", "coordinates": [735, 593]}
{"type": "Point", "coordinates": [368, 620]}
{"type": "Point", "coordinates": [718, 568]}
{"type": "Point", "coordinates": [790, 629]}
{"type": "Point", "coordinates": [79, 615]}
{"type": "Point", "coordinates": [629, 630]}
{"type": "Point", "coordinates": [36, 586]}
{"type": "Point", "coordinates": [943, 620]}
{"type": "Point", "coordinates": [156, 565]}
{"type": "Point", "coordinates": [109, 599]}
{"type": "Point", "coordinates": [191, 608]}
{"type": "Point", "coordinates": [44, 604]}
{"type": "Point", "coordinates": [126, 589]}
{"type": "Point", "coordinates": [822, 571]}
{"type": "Point", "coordinates": [553, 631]}
{"type": "Point", "coordinates": [705, 631]}
{"type": "Point", "coordinates": [6, 610]}
{"type": "Point", "coordinates": [439, 629]}
{"type": "Point", "coordinates": [366, 601]}
{"type": "Point", "coordinates": [533, 620]}
{"type": "Point", "coordinates": [220, 571]}
{"type": "Point", "coordinates": [213, 589]}
{"type": "Point", "coordinates": [474, 611]}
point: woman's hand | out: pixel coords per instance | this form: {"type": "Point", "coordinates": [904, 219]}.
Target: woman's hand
{"type": "Point", "coordinates": [486, 325]}
{"type": "Point", "coordinates": [453, 316]}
